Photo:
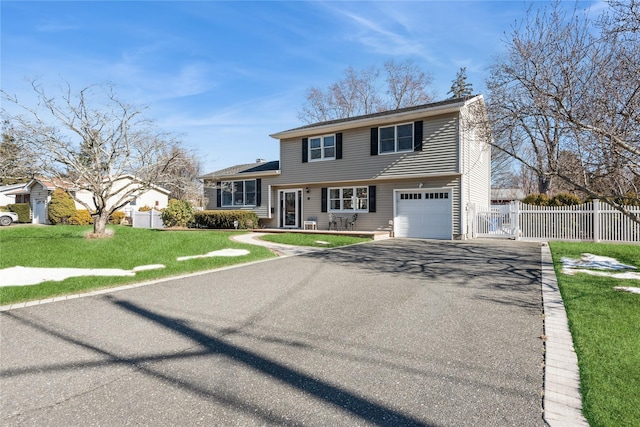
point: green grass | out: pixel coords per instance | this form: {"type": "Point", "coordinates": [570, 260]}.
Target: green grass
{"type": "Point", "coordinates": [65, 246]}
{"type": "Point", "coordinates": [302, 239]}
{"type": "Point", "coordinates": [605, 325]}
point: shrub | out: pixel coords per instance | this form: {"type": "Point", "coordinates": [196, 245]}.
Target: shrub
{"type": "Point", "coordinates": [536, 199]}
{"type": "Point", "coordinates": [179, 213]}
{"type": "Point", "coordinates": [23, 210]}
{"type": "Point", "coordinates": [225, 219]}
{"type": "Point", "coordinates": [81, 217]}
{"type": "Point", "coordinates": [565, 199]}
{"type": "Point", "coordinates": [145, 208]}
{"type": "Point", "coordinates": [117, 217]}
{"type": "Point", "coordinates": [61, 207]}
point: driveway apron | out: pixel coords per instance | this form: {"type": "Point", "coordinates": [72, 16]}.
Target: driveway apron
{"type": "Point", "coordinates": [396, 332]}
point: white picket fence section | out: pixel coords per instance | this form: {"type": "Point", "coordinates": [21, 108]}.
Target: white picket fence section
{"type": "Point", "coordinates": [592, 221]}
{"type": "Point", "coordinates": [148, 219]}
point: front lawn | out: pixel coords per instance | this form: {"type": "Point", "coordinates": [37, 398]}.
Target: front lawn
{"type": "Point", "coordinates": [605, 325]}
{"type": "Point", "coordinates": [65, 246]}
{"type": "Point", "coordinates": [314, 240]}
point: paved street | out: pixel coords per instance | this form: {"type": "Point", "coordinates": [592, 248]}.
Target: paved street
{"type": "Point", "coordinates": [394, 332]}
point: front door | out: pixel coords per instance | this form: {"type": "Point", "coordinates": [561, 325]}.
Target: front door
{"type": "Point", "coordinates": [290, 206]}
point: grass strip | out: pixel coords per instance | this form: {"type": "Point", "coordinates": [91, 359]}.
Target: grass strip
{"type": "Point", "coordinates": [605, 325]}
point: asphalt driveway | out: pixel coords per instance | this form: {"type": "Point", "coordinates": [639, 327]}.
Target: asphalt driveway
{"type": "Point", "coordinates": [397, 332]}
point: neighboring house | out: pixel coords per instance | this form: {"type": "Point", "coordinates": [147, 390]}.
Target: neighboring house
{"type": "Point", "coordinates": [40, 190]}
{"type": "Point", "coordinates": [14, 193]}
{"type": "Point", "coordinates": [414, 171]}
{"type": "Point", "coordinates": [504, 196]}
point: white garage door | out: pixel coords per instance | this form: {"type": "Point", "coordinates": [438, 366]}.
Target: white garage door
{"type": "Point", "coordinates": [426, 214]}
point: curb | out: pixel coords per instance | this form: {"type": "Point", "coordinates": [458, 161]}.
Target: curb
{"type": "Point", "coordinates": [562, 402]}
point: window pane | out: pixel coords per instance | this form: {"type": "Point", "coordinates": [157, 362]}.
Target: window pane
{"type": "Point", "coordinates": [250, 199]}
{"type": "Point", "coordinates": [314, 143]}
{"type": "Point", "coordinates": [329, 152]}
{"type": "Point", "coordinates": [226, 198]}
{"type": "Point", "coordinates": [250, 186]}
{"type": "Point", "coordinates": [334, 205]}
{"type": "Point", "coordinates": [316, 153]}
{"type": "Point", "coordinates": [362, 204]}
{"type": "Point", "coordinates": [361, 192]}
{"type": "Point", "coordinates": [238, 193]}
{"type": "Point", "coordinates": [347, 193]}
{"type": "Point", "coordinates": [329, 141]}
{"type": "Point", "coordinates": [405, 137]}
{"type": "Point", "coordinates": [387, 139]}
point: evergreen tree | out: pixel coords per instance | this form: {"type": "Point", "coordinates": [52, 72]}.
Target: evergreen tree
{"type": "Point", "coordinates": [459, 87]}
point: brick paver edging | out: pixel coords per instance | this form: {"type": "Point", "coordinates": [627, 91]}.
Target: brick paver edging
{"type": "Point", "coordinates": [562, 401]}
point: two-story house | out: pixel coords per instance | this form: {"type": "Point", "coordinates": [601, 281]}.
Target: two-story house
{"type": "Point", "coordinates": [414, 171]}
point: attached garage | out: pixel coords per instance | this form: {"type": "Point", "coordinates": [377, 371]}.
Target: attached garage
{"type": "Point", "coordinates": [426, 214]}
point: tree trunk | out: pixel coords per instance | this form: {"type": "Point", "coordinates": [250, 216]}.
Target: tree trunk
{"type": "Point", "coordinates": [100, 224]}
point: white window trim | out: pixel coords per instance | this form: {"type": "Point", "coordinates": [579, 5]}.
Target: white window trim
{"type": "Point", "coordinates": [322, 148]}
{"type": "Point", "coordinates": [354, 199]}
{"type": "Point", "coordinates": [395, 139]}
{"type": "Point", "coordinates": [244, 194]}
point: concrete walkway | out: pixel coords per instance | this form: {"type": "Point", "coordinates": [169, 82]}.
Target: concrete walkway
{"type": "Point", "coordinates": [280, 249]}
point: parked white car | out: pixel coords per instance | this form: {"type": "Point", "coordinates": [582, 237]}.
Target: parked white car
{"type": "Point", "coordinates": [6, 218]}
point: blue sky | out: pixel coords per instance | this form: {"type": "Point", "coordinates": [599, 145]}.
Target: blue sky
{"type": "Point", "coordinates": [225, 75]}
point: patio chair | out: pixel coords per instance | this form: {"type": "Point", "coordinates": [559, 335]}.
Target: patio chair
{"type": "Point", "coordinates": [311, 223]}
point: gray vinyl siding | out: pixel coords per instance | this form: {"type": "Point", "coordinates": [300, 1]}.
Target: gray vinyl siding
{"type": "Point", "coordinates": [369, 221]}
{"type": "Point", "coordinates": [439, 156]}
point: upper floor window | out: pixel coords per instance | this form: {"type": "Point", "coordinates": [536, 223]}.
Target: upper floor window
{"type": "Point", "coordinates": [348, 199]}
{"type": "Point", "coordinates": [394, 139]}
{"type": "Point", "coordinates": [239, 193]}
{"type": "Point", "coordinates": [322, 148]}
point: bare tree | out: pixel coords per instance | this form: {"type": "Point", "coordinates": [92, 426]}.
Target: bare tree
{"type": "Point", "coordinates": [406, 84]}
{"type": "Point", "coordinates": [90, 140]}
{"type": "Point", "coordinates": [361, 92]}
{"type": "Point", "coordinates": [564, 88]}
{"type": "Point", "coordinates": [180, 176]}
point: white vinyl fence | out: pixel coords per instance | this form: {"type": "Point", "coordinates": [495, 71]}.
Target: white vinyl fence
{"type": "Point", "coordinates": [148, 219]}
{"type": "Point", "coordinates": [592, 221]}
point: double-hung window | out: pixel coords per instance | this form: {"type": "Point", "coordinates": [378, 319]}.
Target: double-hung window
{"type": "Point", "coordinates": [322, 148]}
{"type": "Point", "coordinates": [395, 139]}
{"type": "Point", "coordinates": [239, 193]}
{"type": "Point", "coordinates": [348, 199]}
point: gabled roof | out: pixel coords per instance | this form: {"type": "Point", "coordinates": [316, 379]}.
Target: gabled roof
{"type": "Point", "coordinates": [52, 183]}
{"type": "Point", "coordinates": [257, 168]}
{"type": "Point", "coordinates": [441, 107]}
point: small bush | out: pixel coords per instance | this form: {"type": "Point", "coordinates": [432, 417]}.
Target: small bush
{"type": "Point", "coordinates": [61, 207]}
{"type": "Point", "coordinates": [22, 209]}
{"type": "Point", "coordinates": [179, 213]}
{"type": "Point", "coordinates": [565, 199]}
{"type": "Point", "coordinates": [117, 217]}
{"type": "Point", "coordinates": [81, 217]}
{"type": "Point", "coordinates": [225, 219]}
{"type": "Point", "coordinates": [536, 199]}
{"type": "Point", "coordinates": [145, 208]}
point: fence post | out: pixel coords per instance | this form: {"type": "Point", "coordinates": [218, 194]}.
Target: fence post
{"type": "Point", "coordinates": [474, 221]}
{"type": "Point", "coordinates": [516, 218]}
{"type": "Point", "coordinates": [596, 220]}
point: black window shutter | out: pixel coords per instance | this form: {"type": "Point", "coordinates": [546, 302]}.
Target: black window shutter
{"type": "Point", "coordinates": [372, 198]}
{"type": "Point", "coordinates": [417, 136]}
{"type": "Point", "coordinates": [374, 141]}
{"type": "Point", "coordinates": [218, 194]}
{"type": "Point", "coordinates": [305, 150]}
{"type": "Point", "coordinates": [338, 145]}
{"type": "Point", "coordinates": [323, 207]}
{"type": "Point", "coordinates": [258, 192]}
